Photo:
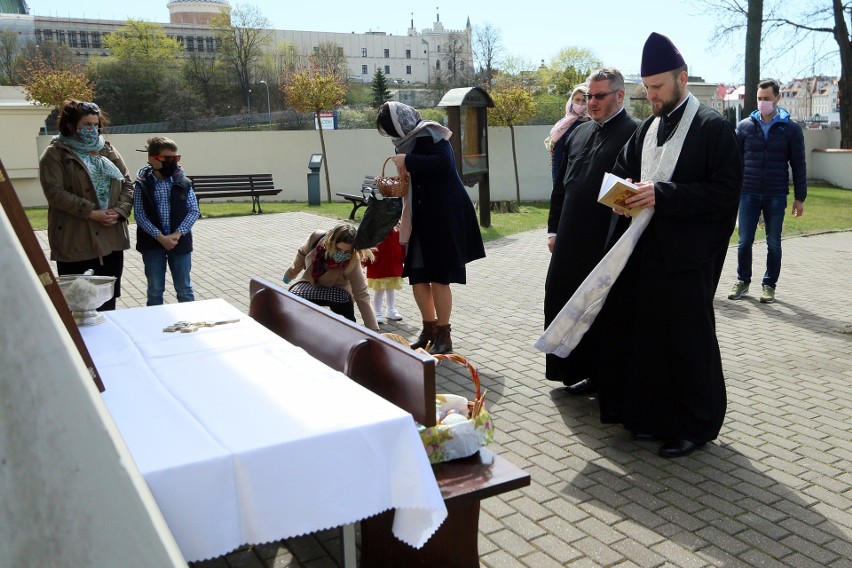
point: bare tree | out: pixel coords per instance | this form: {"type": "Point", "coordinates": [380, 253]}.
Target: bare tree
{"type": "Point", "coordinates": [488, 47]}
{"type": "Point", "coordinates": [9, 48]}
{"type": "Point", "coordinates": [243, 35]}
{"type": "Point", "coordinates": [456, 50]}
{"type": "Point", "coordinates": [827, 17]}
{"type": "Point", "coordinates": [736, 16]}
{"type": "Point", "coordinates": [754, 27]}
{"type": "Point", "coordinates": [328, 58]}
{"type": "Point", "coordinates": [832, 20]}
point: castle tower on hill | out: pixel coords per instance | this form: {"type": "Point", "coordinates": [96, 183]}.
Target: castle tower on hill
{"type": "Point", "coordinates": [196, 12]}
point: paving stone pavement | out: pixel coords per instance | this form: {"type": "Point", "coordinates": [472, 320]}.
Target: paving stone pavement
{"type": "Point", "coordinates": [774, 490]}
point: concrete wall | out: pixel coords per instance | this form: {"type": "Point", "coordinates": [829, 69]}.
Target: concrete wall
{"type": "Point", "coordinates": [834, 166]}
{"type": "Point", "coordinates": [352, 154]}
{"type": "Point", "coordinates": [21, 122]}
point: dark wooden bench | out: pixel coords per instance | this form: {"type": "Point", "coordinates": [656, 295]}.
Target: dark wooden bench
{"type": "Point", "coordinates": [407, 379]}
{"type": "Point", "coordinates": [244, 185]}
{"type": "Point", "coordinates": [358, 201]}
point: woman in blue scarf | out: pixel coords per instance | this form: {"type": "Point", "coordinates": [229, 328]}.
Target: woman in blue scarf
{"type": "Point", "coordinates": [89, 196]}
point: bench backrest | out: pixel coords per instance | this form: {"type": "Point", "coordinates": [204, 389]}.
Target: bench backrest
{"type": "Point", "coordinates": [232, 182]}
{"type": "Point", "coordinates": [387, 368]}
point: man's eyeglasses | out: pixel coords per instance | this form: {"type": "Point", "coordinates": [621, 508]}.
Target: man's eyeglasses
{"type": "Point", "coordinates": [90, 108]}
{"type": "Point", "coordinates": [167, 158]}
{"type": "Point", "coordinates": [598, 96]}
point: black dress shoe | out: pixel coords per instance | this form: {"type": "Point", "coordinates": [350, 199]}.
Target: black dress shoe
{"type": "Point", "coordinates": [645, 437]}
{"type": "Point", "coordinates": [678, 448]}
{"type": "Point", "coordinates": [586, 386]}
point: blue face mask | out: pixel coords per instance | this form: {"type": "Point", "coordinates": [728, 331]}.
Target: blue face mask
{"type": "Point", "coordinates": [87, 134]}
{"type": "Point", "coordinates": [340, 256]}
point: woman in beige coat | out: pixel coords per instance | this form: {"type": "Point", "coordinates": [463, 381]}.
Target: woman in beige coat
{"type": "Point", "coordinates": [89, 196]}
{"type": "Point", "coordinates": [333, 275]}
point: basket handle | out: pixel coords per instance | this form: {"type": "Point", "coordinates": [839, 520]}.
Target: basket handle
{"type": "Point", "coordinates": [385, 164]}
{"type": "Point", "coordinates": [474, 374]}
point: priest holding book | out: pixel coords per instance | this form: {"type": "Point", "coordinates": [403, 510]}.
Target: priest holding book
{"type": "Point", "coordinates": [663, 376]}
{"type": "Point", "coordinates": [579, 227]}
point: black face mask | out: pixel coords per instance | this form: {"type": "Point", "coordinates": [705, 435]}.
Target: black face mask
{"type": "Point", "coordinates": [167, 169]}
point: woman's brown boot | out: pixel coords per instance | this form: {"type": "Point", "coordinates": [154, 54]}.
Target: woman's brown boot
{"type": "Point", "coordinates": [427, 336]}
{"type": "Point", "coordinates": [443, 341]}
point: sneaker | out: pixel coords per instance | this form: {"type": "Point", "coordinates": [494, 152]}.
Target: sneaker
{"type": "Point", "coordinates": [394, 315]}
{"type": "Point", "coordinates": [380, 318]}
{"type": "Point", "coordinates": [738, 290]}
{"type": "Point", "coordinates": [768, 295]}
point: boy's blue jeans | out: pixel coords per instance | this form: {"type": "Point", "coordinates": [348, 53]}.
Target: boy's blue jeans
{"type": "Point", "coordinates": [773, 208]}
{"type": "Point", "coordinates": [155, 271]}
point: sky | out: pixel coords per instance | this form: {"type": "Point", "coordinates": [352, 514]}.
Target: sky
{"type": "Point", "coordinates": [615, 30]}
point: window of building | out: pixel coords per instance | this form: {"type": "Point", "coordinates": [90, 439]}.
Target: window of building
{"type": "Point", "coordinates": [96, 40]}
{"type": "Point", "coordinates": [48, 35]}
{"type": "Point", "coordinates": [179, 39]}
{"type": "Point", "coordinates": [408, 69]}
{"type": "Point", "coordinates": [199, 42]}
{"type": "Point", "coordinates": [190, 44]}
{"type": "Point", "coordinates": [60, 36]}
{"type": "Point", "coordinates": [439, 48]}
{"type": "Point", "coordinates": [408, 54]}
{"type": "Point", "coordinates": [364, 70]}
{"type": "Point", "coordinates": [38, 36]}
{"type": "Point", "coordinates": [72, 39]}
{"type": "Point", "coordinates": [363, 52]}
{"type": "Point", "coordinates": [387, 69]}
{"type": "Point", "coordinates": [211, 47]}
{"type": "Point", "coordinates": [461, 65]}
{"type": "Point", "coordinates": [387, 53]}
{"type": "Point", "coordinates": [84, 40]}
{"type": "Point", "coordinates": [438, 64]}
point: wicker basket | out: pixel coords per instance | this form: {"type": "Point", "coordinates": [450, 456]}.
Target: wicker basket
{"type": "Point", "coordinates": [391, 186]}
{"type": "Point", "coordinates": [449, 441]}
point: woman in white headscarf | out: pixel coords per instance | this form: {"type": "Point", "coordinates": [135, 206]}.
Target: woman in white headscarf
{"type": "Point", "coordinates": [438, 220]}
{"type": "Point", "coordinates": [575, 115]}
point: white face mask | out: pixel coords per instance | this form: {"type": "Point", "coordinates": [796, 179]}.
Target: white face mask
{"type": "Point", "coordinates": [578, 109]}
{"type": "Point", "coordinates": [766, 108]}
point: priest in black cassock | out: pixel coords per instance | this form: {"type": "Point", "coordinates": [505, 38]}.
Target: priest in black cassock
{"type": "Point", "coordinates": [578, 226]}
{"type": "Point", "coordinates": [663, 374]}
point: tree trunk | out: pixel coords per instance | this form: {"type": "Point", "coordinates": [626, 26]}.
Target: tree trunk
{"type": "Point", "coordinates": [324, 158]}
{"type": "Point", "coordinates": [844, 85]}
{"type": "Point", "coordinates": [752, 54]}
{"type": "Point", "coordinates": [515, 161]}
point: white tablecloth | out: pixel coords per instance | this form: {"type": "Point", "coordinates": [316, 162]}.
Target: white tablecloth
{"type": "Point", "coordinates": [245, 438]}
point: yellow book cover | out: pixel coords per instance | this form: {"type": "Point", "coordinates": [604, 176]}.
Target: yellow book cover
{"type": "Point", "coordinates": [614, 190]}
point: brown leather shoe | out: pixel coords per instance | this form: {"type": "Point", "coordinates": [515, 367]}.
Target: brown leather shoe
{"type": "Point", "coordinates": [427, 336]}
{"type": "Point", "coordinates": [443, 341]}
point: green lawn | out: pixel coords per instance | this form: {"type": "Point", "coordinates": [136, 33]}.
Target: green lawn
{"type": "Point", "coordinates": [826, 209]}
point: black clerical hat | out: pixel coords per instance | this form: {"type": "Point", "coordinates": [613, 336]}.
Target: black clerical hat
{"type": "Point", "coordinates": [660, 55]}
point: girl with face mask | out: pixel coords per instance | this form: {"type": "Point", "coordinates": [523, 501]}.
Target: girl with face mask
{"type": "Point", "coordinates": [89, 196]}
{"type": "Point", "coordinates": [332, 275]}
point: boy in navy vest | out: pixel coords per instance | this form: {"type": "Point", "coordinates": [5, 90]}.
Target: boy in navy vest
{"type": "Point", "coordinates": [165, 209]}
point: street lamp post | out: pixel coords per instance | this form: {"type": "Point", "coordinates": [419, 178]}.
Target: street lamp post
{"type": "Point", "coordinates": [268, 107]}
{"type": "Point", "coordinates": [248, 103]}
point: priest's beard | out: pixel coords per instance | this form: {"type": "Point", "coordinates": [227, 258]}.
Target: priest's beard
{"type": "Point", "coordinates": [668, 105]}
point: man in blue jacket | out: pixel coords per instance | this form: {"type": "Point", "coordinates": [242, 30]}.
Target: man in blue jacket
{"type": "Point", "coordinates": [769, 141]}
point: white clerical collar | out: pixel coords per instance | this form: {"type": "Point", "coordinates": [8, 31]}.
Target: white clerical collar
{"type": "Point", "coordinates": [683, 102]}
{"type": "Point", "coordinates": [610, 118]}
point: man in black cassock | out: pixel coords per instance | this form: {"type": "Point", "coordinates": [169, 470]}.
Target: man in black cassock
{"type": "Point", "coordinates": [578, 225]}
{"type": "Point", "coordinates": [663, 372]}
